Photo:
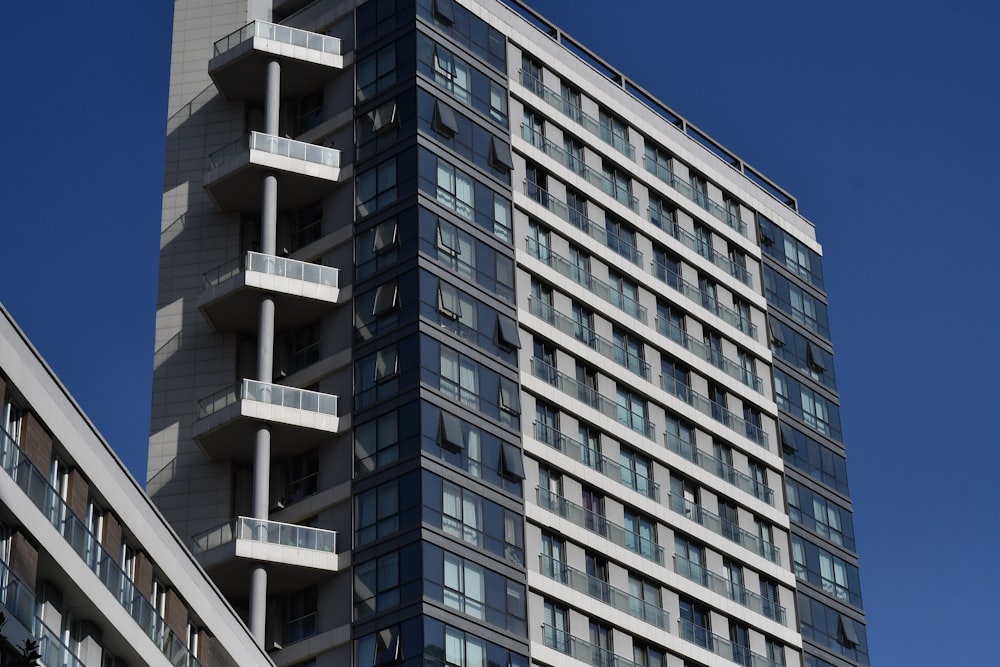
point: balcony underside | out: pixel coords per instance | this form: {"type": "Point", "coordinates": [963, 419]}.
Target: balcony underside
{"type": "Point", "coordinates": [237, 184]}
{"type": "Point", "coordinates": [289, 568]}
{"type": "Point", "coordinates": [229, 433]}
{"type": "Point", "coordinates": [234, 305]}
{"type": "Point", "coordinates": [241, 72]}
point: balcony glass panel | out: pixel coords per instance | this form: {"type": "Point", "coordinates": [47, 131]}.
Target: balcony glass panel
{"type": "Point", "coordinates": [278, 33]}
{"type": "Point", "coordinates": [270, 532]}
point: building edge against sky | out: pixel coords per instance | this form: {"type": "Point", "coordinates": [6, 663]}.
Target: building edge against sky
{"type": "Point", "coordinates": [436, 250]}
{"type": "Point", "coordinates": [90, 568]}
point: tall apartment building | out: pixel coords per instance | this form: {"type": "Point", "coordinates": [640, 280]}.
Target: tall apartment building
{"type": "Point", "coordinates": [88, 568]}
{"type": "Point", "coordinates": [470, 351]}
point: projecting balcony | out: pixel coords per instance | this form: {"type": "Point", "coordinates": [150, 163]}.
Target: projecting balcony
{"type": "Point", "coordinates": [305, 172]}
{"type": "Point", "coordinates": [303, 292]}
{"type": "Point", "coordinates": [299, 419]}
{"type": "Point", "coordinates": [297, 556]}
{"type": "Point", "coordinates": [239, 60]}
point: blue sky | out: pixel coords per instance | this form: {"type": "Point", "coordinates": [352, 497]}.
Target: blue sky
{"type": "Point", "coordinates": [881, 117]}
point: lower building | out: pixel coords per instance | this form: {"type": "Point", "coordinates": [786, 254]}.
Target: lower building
{"type": "Point", "coordinates": [89, 569]}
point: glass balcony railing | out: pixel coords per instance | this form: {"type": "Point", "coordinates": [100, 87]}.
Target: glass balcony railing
{"type": "Point", "coordinates": [16, 597]}
{"type": "Point", "coordinates": [581, 650]}
{"type": "Point", "coordinates": [577, 115]}
{"type": "Point", "coordinates": [278, 33]}
{"type": "Point", "coordinates": [625, 302]}
{"type": "Point", "coordinates": [283, 267]}
{"type": "Point", "coordinates": [591, 397]}
{"type": "Point", "coordinates": [741, 655]}
{"type": "Point", "coordinates": [723, 586]}
{"type": "Point", "coordinates": [714, 357]}
{"type": "Point", "coordinates": [710, 408]}
{"type": "Point", "coordinates": [707, 301]}
{"type": "Point", "coordinates": [722, 470]}
{"type": "Point", "coordinates": [596, 523]}
{"type": "Point", "coordinates": [593, 459]}
{"type": "Point", "coordinates": [582, 582]}
{"type": "Point", "coordinates": [616, 242]}
{"type": "Point", "coordinates": [595, 178]}
{"type": "Point", "coordinates": [268, 143]}
{"type": "Point", "coordinates": [269, 532]}
{"type": "Point", "coordinates": [689, 240]}
{"type": "Point", "coordinates": [272, 394]}
{"type": "Point", "coordinates": [86, 545]}
{"type": "Point", "coordinates": [51, 647]}
{"type": "Point", "coordinates": [727, 529]}
{"type": "Point", "coordinates": [718, 211]}
{"type": "Point", "coordinates": [603, 346]}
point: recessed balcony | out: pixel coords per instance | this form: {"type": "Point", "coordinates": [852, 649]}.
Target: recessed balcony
{"type": "Point", "coordinates": [239, 60]}
{"type": "Point", "coordinates": [303, 292]}
{"type": "Point", "coordinates": [306, 172]}
{"type": "Point", "coordinates": [297, 556]}
{"type": "Point", "coordinates": [299, 419]}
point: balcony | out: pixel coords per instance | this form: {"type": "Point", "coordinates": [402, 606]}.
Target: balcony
{"type": "Point", "coordinates": [593, 459]}
{"type": "Point", "coordinates": [577, 218]}
{"type": "Point", "coordinates": [718, 211]}
{"type": "Point", "coordinates": [595, 178]}
{"type": "Point", "coordinates": [603, 346]}
{"type": "Point", "coordinates": [582, 650]}
{"type": "Point", "coordinates": [727, 529]}
{"type": "Point", "coordinates": [299, 419]}
{"type": "Point", "coordinates": [712, 356]}
{"type": "Point", "coordinates": [741, 655]}
{"type": "Point", "coordinates": [592, 397]}
{"type": "Point", "coordinates": [722, 470]}
{"type": "Point", "coordinates": [28, 483]}
{"type": "Point", "coordinates": [297, 555]}
{"type": "Point", "coordinates": [692, 242]}
{"type": "Point", "coordinates": [723, 586]}
{"type": "Point", "coordinates": [303, 292]}
{"type": "Point", "coordinates": [306, 172]}
{"type": "Point", "coordinates": [239, 60]}
{"type": "Point", "coordinates": [582, 582]}
{"type": "Point", "coordinates": [706, 300]}
{"type": "Point", "coordinates": [596, 523]}
{"type": "Point", "coordinates": [710, 408]}
{"type": "Point", "coordinates": [577, 115]}
{"type": "Point", "coordinates": [626, 303]}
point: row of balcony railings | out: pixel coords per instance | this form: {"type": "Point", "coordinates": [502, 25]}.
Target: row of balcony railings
{"type": "Point", "coordinates": [562, 442]}
{"type": "Point", "coordinates": [591, 458]}
{"type": "Point", "coordinates": [589, 585]}
{"type": "Point", "coordinates": [710, 408]}
{"type": "Point", "coordinates": [597, 523]}
{"type": "Point", "coordinates": [606, 348]}
{"type": "Point", "coordinates": [719, 468]}
{"type": "Point", "coordinates": [279, 33]}
{"type": "Point", "coordinates": [723, 586]}
{"type": "Point", "coordinates": [271, 394]}
{"type": "Point", "coordinates": [580, 168]}
{"type": "Point", "coordinates": [719, 645]}
{"type": "Point", "coordinates": [725, 528]}
{"type": "Point", "coordinates": [629, 304]}
{"type": "Point", "coordinates": [709, 354]}
{"type": "Point", "coordinates": [623, 414]}
{"type": "Point", "coordinates": [581, 276]}
{"type": "Point", "coordinates": [632, 480]}
{"type": "Point", "coordinates": [275, 145]}
{"type": "Point", "coordinates": [88, 547]}
{"type": "Point", "coordinates": [282, 267]}
{"type": "Point", "coordinates": [265, 532]}
{"type": "Point", "coordinates": [623, 196]}
{"type": "Point", "coordinates": [620, 144]}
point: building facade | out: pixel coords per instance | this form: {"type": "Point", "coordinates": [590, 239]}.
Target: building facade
{"type": "Point", "coordinates": [470, 351]}
{"type": "Point", "coordinates": [90, 570]}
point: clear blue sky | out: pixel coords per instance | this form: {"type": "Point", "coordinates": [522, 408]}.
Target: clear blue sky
{"type": "Point", "coordinates": [880, 116]}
